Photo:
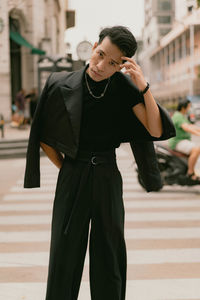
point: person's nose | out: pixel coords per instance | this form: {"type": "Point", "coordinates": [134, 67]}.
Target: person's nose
{"type": "Point", "coordinates": [101, 65]}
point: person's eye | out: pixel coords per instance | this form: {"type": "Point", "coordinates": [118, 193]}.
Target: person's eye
{"type": "Point", "coordinates": [100, 54]}
{"type": "Point", "coordinates": [112, 63]}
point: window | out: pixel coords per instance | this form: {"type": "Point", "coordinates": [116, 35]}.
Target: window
{"type": "Point", "coordinates": [164, 19]}
{"type": "Point", "coordinates": [164, 5]}
{"type": "Point", "coordinates": [70, 18]}
{"type": "Point", "coordinates": [163, 31]}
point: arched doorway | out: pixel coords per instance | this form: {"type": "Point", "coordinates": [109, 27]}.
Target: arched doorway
{"type": "Point", "coordinates": [15, 60]}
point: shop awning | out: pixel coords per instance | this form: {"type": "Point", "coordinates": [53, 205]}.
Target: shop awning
{"type": "Point", "coordinates": [17, 38]}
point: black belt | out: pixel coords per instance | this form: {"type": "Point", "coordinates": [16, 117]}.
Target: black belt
{"type": "Point", "coordinates": [97, 158]}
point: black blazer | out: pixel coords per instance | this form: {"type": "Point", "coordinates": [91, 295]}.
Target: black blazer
{"type": "Point", "coordinates": [57, 122]}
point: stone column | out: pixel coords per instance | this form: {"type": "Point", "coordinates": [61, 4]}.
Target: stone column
{"type": "Point", "coordinates": [192, 75]}
{"type": "Point", "coordinates": [5, 91]}
{"type": "Point", "coordinates": [165, 62]}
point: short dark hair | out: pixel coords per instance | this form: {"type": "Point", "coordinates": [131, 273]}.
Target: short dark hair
{"type": "Point", "coordinates": [183, 104]}
{"type": "Point", "coordinates": [121, 37]}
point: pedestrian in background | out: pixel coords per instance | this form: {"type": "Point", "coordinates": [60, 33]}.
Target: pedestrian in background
{"type": "Point", "coordinates": [182, 141]}
{"type": "Point", "coordinates": [85, 115]}
{"type": "Point", "coordinates": [18, 109]}
{"type": "Point", "coordinates": [20, 104]}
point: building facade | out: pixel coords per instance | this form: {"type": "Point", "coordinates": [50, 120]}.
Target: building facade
{"type": "Point", "coordinates": [171, 62]}
{"type": "Point", "coordinates": [159, 17]}
{"type": "Point", "coordinates": [30, 28]}
{"type": "Point", "coordinates": [175, 64]}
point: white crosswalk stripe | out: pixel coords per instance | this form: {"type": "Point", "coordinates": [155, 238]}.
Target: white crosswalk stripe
{"type": "Point", "coordinates": [135, 257]}
{"type": "Point", "coordinates": [160, 216]}
{"type": "Point", "coordinates": [26, 207]}
{"type": "Point", "coordinates": [162, 204]}
{"type": "Point", "coordinates": [32, 196]}
{"type": "Point", "coordinates": [163, 233]}
{"type": "Point", "coordinates": [25, 236]}
{"type": "Point", "coordinates": [183, 289]}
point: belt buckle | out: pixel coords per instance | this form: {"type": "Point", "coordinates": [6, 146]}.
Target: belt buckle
{"type": "Point", "coordinates": [93, 160]}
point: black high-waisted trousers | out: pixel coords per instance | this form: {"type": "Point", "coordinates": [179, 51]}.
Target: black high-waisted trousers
{"type": "Point", "coordinates": [89, 191]}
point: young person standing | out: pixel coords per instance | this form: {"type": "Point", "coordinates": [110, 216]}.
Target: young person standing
{"type": "Point", "coordinates": [85, 115]}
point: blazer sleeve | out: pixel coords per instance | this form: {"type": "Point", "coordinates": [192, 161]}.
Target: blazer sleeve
{"type": "Point", "coordinates": [167, 124]}
{"type": "Point", "coordinates": [144, 152]}
{"type": "Point", "coordinates": [132, 129]}
{"type": "Point", "coordinates": [32, 169]}
{"type": "Point", "coordinates": [146, 160]}
{"type": "Point", "coordinates": [168, 129]}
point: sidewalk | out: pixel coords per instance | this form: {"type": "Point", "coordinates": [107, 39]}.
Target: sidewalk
{"type": "Point", "coordinates": [11, 133]}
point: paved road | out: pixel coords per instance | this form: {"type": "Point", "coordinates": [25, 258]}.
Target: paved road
{"type": "Point", "coordinates": [162, 235]}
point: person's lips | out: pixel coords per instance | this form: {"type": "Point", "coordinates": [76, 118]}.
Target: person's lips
{"type": "Point", "coordinates": [97, 74]}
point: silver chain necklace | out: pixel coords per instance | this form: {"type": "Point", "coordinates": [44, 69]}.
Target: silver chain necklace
{"type": "Point", "coordinates": [89, 90]}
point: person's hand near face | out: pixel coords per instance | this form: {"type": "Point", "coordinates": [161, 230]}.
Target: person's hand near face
{"type": "Point", "coordinates": [135, 72]}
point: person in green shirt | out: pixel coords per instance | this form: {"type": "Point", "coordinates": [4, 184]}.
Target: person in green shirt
{"type": "Point", "coordinates": [182, 141]}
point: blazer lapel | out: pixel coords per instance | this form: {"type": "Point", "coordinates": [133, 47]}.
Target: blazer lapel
{"type": "Point", "coordinates": [72, 93]}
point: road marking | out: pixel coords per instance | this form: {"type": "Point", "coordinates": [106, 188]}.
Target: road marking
{"type": "Point", "coordinates": [50, 187]}
{"type": "Point", "coordinates": [44, 188]}
{"type": "Point", "coordinates": [165, 289]}
{"type": "Point", "coordinates": [161, 204]}
{"type": "Point", "coordinates": [134, 257]}
{"type": "Point", "coordinates": [149, 216]}
{"type": "Point", "coordinates": [128, 205]}
{"type": "Point", "coordinates": [26, 207]}
{"type": "Point", "coordinates": [156, 195]}
{"type": "Point", "coordinates": [163, 233]}
{"type": "Point", "coordinates": [46, 181]}
{"type": "Point", "coordinates": [30, 219]}
{"type": "Point", "coordinates": [24, 259]}
{"type": "Point", "coordinates": [130, 234]}
{"type": "Point", "coordinates": [31, 196]}
{"type": "Point", "coordinates": [162, 216]}
{"type": "Point", "coordinates": [25, 236]}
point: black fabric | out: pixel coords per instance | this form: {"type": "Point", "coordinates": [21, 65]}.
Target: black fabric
{"type": "Point", "coordinates": [145, 158]}
{"type": "Point", "coordinates": [32, 171]}
{"type": "Point", "coordinates": [101, 117]}
{"type": "Point", "coordinates": [88, 193]}
{"type": "Point", "coordinates": [64, 92]}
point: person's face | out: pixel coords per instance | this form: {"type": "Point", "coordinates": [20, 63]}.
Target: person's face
{"type": "Point", "coordinates": [187, 108]}
{"type": "Point", "coordinates": [105, 60]}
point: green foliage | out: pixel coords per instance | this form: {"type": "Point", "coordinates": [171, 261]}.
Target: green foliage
{"type": "Point", "coordinates": [198, 3]}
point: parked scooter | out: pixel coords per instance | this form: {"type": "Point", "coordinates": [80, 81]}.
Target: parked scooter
{"type": "Point", "coordinates": [173, 167]}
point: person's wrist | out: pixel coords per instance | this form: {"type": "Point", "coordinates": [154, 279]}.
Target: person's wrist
{"type": "Point", "coordinates": [143, 91]}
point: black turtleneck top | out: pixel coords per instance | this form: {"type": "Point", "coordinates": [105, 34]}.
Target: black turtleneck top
{"type": "Point", "coordinates": [100, 117]}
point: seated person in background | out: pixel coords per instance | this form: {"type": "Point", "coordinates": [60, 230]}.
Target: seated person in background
{"type": "Point", "coordinates": [182, 141]}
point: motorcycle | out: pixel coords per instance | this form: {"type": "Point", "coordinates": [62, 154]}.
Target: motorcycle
{"type": "Point", "coordinates": [173, 167]}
